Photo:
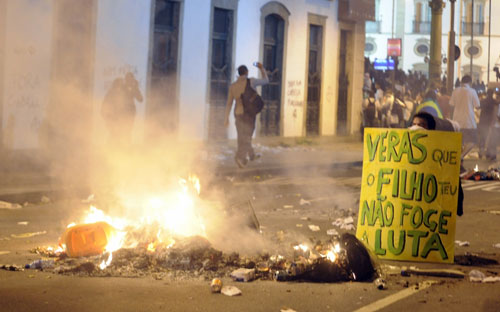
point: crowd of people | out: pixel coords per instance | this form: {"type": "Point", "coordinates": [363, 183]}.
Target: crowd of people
{"type": "Point", "coordinates": [392, 98]}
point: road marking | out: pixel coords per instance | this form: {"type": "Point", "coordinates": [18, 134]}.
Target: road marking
{"type": "Point", "coordinates": [384, 302]}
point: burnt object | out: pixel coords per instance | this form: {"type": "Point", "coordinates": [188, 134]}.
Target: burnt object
{"type": "Point", "coordinates": [359, 262]}
{"type": "Point", "coordinates": [471, 259]}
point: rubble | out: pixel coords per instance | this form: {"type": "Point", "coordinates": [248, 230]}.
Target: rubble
{"type": "Point", "coordinates": [462, 243]}
{"type": "Point", "coordinates": [490, 174]}
{"type": "Point", "coordinates": [344, 223]}
{"type": "Point", "coordinates": [230, 291]}
{"type": "Point", "coordinates": [479, 277]}
{"type": "Point", "coordinates": [314, 228]}
{"type": "Point", "coordinates": [336, 260]}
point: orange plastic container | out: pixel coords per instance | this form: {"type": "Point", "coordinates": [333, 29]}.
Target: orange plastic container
{"type": "Point", "coordinates": [87, 239]}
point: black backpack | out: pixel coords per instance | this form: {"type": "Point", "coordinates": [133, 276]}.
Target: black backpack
{"type": "Point", "coordinates": [252, 102]}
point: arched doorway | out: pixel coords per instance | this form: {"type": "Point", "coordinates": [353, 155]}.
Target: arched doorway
{"type": "Point", "coordinates": [274, 32]}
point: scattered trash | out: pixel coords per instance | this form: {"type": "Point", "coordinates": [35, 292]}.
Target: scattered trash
{"type": "Point", "coordinates": [4, 252]}
{"type": "Point", "coordinates": [497, 245]}
{"type": "Point", "coordinates": [26, 235]}
{"type": "Point", "coordinates": [332, 232]}
{"type": "Point", "coordinates": [45, 199]}
{"type": "Point", "coordinates": [40, 264]}
{"type": "Point", "coordinates": [216, 285]}
{"type": "Point", "coordinates": [314, 228]}
{"type": "Point", "coordinates": [462, 243]}
{"type": "Point", "coordinates": [304, 202]}
{"type": "Point", "coordinates": [243, 275]}
{"type": "Point", "coordinates": [230, 291]}
{"type": "Point", "coordinates": [11, 267]}
{"type": "Point", "coordinates": [495, 212]}
{"type": "Point", "coordinates": [380, 283]}
{"type": "Point", "coordinates": [288, 206]}
{"type": "Point", "coordinates": [287, 310]}
{"type": "Point", "coordinates": [305, 219]}
{"type": "Point", "coordinates": [405, 271]}
{"type": "Point", "coordinates": [301, 225]}
{"type": "Point", "coordinates": [7, 205]}
{"type": "Point", "coordinates": [22, 223]}
{"type": "Point", "coordinates": [230, 179]}
{"type": "Point", "coordinates": [479, 277]}
{"type": "Point", "coordinates": [345, 223]}
{"type": "Point", "coordinates": [476, 175]}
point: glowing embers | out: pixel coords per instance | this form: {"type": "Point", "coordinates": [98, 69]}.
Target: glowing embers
{"type": "Point", "coordinates": [168, 215]}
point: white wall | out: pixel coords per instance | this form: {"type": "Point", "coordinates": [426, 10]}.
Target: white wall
{"type": "Point", "coordinates": [193, 100]}
{"type": "Point", "coordinates": [122, 45]}
{"type": "Point", "coordinates": [27, 71]}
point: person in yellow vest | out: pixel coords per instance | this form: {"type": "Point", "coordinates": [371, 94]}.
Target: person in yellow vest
{"type": "Point", "coordinates": [429, 105]}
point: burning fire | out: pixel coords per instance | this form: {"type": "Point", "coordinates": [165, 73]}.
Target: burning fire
{"type": "Point", "coordinates": [174, 213]}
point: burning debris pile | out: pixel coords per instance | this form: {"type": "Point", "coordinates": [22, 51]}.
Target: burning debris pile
{"type": "Point", "coordinates": [344, 259]}
{"type": "Point", "coordinates": [172, 243]}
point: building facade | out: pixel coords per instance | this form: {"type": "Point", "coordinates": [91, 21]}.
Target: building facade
{"type": "Point", "coordinates": [410, 20]}
{"type": "Point", "coordinates": [59, 58]}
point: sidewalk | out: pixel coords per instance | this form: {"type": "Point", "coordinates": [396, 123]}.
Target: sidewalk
{"type": "Point", "coordinates": [278, 155]}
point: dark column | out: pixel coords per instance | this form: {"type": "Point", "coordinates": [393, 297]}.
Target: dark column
{"type": "Point", "coordinates": [436, 34]}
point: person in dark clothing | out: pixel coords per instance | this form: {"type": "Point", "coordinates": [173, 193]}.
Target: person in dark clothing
{"type": "Point", "coordinates": [429, 122]}
{"type": "Point", "coordinates": [487, 120]}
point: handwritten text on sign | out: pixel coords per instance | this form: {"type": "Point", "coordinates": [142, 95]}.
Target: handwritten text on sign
{"type": "Point", "coordinates": [409, 194]}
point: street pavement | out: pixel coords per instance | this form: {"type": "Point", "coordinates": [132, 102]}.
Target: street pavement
{"type": "Point", "coordinates": [324, 172]}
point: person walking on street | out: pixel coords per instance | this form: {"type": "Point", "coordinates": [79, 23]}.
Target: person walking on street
{"type": "Point", "coordinates": [245, 124]}
{"type": "Point", "coordinates": [464, 100]}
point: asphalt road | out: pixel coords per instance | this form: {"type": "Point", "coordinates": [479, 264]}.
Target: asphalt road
{"type": "Point", "coordinates": [277, 202]}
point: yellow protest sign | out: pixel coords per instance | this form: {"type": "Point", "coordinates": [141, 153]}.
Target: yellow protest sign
{"type": "Point", "coordinates": [409, 193]}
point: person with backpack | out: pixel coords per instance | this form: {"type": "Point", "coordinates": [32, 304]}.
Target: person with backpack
{"type": "Point", "coordinates": [248, 105]}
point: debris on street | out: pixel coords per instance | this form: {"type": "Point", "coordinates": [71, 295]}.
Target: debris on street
{"type": "Point", "coordinates": [243, 275]}
{"type": "Point", "coordinates": [230, 291]}
{"type": "Point", "coordinates": [27, 235]}
{"type": "Point", "coordinates": [479, 277]}
{"type": "Point", "coordinates": [216, 285]}
{"type": "Point", "coordinates": [462, 243]}
{"type": "Point", "coordinates": [299, 225]}
{"type": "Point", "coordinates": [476, 175]}
{"type": "Point", "coordinates": [344, 223]}
{"type": "Point", "coordinates": [332, 232]}
{"type": "Point", "coordinates": [380, 283]}
{"type": "Point", "coordinates": [7, 205]}
{"type": "Point", "coordinates": [40, 264]}
{"type": "Point", "coordinates": [304, 202]}
{"type": "Point", "coordinates": [497, 245]}
{"type": "Point", "coordinates": [22, 223]}
{"type": "Point", "coordinates": [45, 200]}
{"type": "Point", "coordinates": [314, 228]}
{"type": "Point", "coordinates": [408, 271]}
{"type": "Point", "coordinates": [4, 252]}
